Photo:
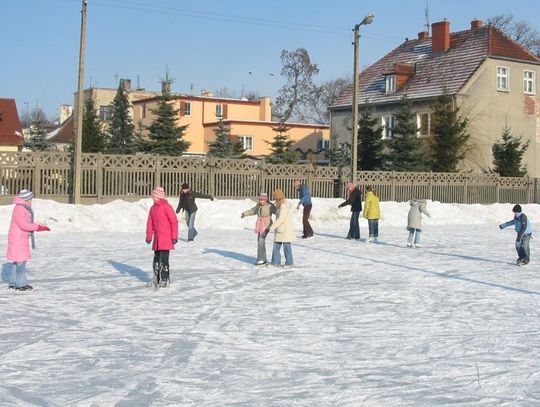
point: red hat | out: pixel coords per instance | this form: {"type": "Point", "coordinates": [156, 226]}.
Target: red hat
{"type": "Point", "coordinates": [263, 196]}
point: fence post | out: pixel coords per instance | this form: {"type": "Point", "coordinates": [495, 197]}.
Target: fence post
{"type": "Point", "coordinates": [99, 178]}
{"type": "Point", "coordinates": [393, 187]}
{"type": "Point", "coordinates": [465, 189]}
{"type": "Point", "coordinates": [309, 178]}
{"type": "Point", "coordinates": [157, 173]}
{"type": "Point", "coordinates": [37, 176]}
{"type": "Point", "coordinates": [529, 185]}
{"type": "Point", "coordinates": [262, 176]}
{"type": "Point", "coordinates": [430, 185]}
{"type": "Point", "coordinates": [536, 186]}
{"type": "Point", "coordinates": [498, 189]}
{"type": "Point", "coordinates": [210, 164]}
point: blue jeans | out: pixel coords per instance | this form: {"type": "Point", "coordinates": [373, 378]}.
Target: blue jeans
{"type": "Point", "coordinates": [415, 234]}
{"type": "Point", "coordinates": [373, 227]}
{"type": "Point", "coordinates": [261, 248]}
{"type": "Point", "coordinates": [18, 275]}
{"type": "Point", "coordinates": [190, 222]}
{"type": "Point", "coordinates": [522, 247]}
{"type": "Point", "coordinates": [276, 254]}
{"type": "Point", "coordinates": [354, 227]}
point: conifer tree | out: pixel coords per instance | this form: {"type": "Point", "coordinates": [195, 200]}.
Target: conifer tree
{"type": "Point", "coordinates": [338, 156]}
{"type": "Point", "coordinates": [449, 143]}
{"type": "Point", "coordinates": [508, 155]}
{"type": "Point", "coordinates": [121, 128]}
{"type": "Point", "coordinates": [37, 138]}
{"type": "Point", "coordinates": [223, 146]}
{"type": "Point", "coordinates": [166, 136]}
{"type": "Point", "coordinates": [93, 139]}
{"type": "Point", "coordinates": [280, 147]}
{"type": "Point", "coordinates": [371, 144]}
{"type": "Point", "coordinates": [404, 148]}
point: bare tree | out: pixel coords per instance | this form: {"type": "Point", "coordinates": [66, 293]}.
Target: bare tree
{"type": "Point", "coordinates": [317, 110]}
{"type": "Point", "coordinates": [520, 31]}
{"type": "Point", "coordinates": [296, 93]}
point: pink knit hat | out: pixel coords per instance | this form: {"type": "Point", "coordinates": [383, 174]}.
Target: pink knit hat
{"type": "Point", "coordinates": [158, 193]}
{"type": "Point", "coordinates": [263, 196]}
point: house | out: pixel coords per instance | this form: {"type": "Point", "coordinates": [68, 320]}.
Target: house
{"type": "Point", "coordinates": [490, 77]}
{"type": "Point", "coordinates": [10, 126]}
{"type": "Point", "coordinates": [248, 121]}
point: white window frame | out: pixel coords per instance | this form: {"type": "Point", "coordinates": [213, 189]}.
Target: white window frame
{"type": "Point", "coordinates": [419, 124]}
{"type": "Point", "coordinates": [105, 112]}
{"type": "Point", "coordinates": [387, 124]}
{"type": "Point", "coordinates": [219, 110]}
{"type": "Point", "coordinates": [390, 84]}
{"type": "Point", "coordinates": [323, 144]}
{"type": "Point", "coordinates": [529, 82]}
{"type": "Point", "coordinates": [503, 78]}
{"type": "Point", "coordinates": [247, 142]}
{"type": "Point", "coordinates": [187, 109]}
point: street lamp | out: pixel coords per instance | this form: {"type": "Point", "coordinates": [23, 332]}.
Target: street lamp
{"type": "Point", "coordinates": [367, 20]}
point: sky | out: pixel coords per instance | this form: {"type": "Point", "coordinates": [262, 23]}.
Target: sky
{"type": "Point", "coordinates": [352, 324]}
{"type": "Point", "coordinates": [210, 44]}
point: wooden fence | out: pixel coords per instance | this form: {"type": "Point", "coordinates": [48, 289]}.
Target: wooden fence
{"type": "Point", "coordinates": [132, 177]}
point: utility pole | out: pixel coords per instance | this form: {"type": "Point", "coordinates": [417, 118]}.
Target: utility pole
{"type": "Point", "coordinates": [354, 144]}
{"type": "Point", "coordinates": [78, 119]}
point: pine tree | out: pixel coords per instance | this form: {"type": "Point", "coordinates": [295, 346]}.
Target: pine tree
{"type": "Point", "coordinates": [93, 139]}
{"type": "Point", "coordinates": [37, 138]}
{"type": "Point", "coordinates": [371, 144]}
{"type": "Point", "coordinates": [338, 156]}
{"type": "Point", "coordinates": [166, 136]}
{"type": "Point", "coordinates": [223, 146]}
{"type": "Point", "coordinates": [508, 155]}
{"type": "Point", "coordinates": [121, 128]}
{"type": "Point", "coordinates": [404, 148]}
{"type": "Point", "coordinates": [280, 147]}
{"type": "Point", "coordinates": [449, 143]}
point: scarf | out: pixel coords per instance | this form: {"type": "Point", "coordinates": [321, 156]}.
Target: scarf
{"type": "Point", "coordinates": [29, 209]}
{"type": "Point", "coordinates": [262, 225]}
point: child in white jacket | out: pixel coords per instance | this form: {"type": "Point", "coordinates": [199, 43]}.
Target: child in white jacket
{"type": "Point", "coordinates": [283, 227]}
{"type": "Point", "coordinates": [414, 221]}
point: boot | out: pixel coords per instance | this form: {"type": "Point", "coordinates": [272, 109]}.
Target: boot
{"type": "Point", "coordinates": [156, 276]}
{"type": "Point", "coordinates": [165, 280]}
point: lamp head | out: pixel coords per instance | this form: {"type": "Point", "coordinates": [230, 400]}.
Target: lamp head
{"type": "Point", "coordinates": [367, 19]}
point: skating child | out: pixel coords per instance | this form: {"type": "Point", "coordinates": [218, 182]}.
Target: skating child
{"type": "Point", "coordinates": [264, 211]}
{"type": "Point", "coordinates": [21, 229]}
{"type": "Point", "coordinates": [355, 200]}
{"type": "Point", "coordinates": [162, 226]}
{"type": "Point", "coordinates": [523, 229]}
{"type": "Point", "coordinates": [414, 221]}
{"type": "Point", "coordinates": [186, 204]}
{"type": "Point", "coordinates": [283, 227]}
{"type": "Point", "coordinates": [372, 212]}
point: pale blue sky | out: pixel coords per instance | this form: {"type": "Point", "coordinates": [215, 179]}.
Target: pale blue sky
{"type": "Point", "coordinates": [206, 44]}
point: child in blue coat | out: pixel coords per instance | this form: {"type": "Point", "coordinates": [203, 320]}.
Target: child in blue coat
{"type": "Point", "coordinates": [523, 229]}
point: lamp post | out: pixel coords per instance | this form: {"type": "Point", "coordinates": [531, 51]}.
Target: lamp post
{"type": "Point", "coordinates": [367, 20]}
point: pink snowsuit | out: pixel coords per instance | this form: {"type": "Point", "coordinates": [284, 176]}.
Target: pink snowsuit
{"type": "Point", "coordinates": [18, 247]}
{"type": "Point", "coordinates": [162, 225]}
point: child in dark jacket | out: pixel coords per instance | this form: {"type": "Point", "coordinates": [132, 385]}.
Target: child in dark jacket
{"type": "Point", "coordinates": [162, 226]}
{"type": "Point", "coordinates": [187, 204]}
{"type": "Point", "coordinates": [523, 229]}
{"type": "Point", "coordinates": [355, 200]}
{"type": "Point", "coordinates": [264, 211]}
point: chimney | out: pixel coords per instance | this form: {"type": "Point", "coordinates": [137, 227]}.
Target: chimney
{"type": "Point", "coordinates": [165, 87]}
{"type": "Point", "coordinates": [440, 36]}
{"type": "Point", "coordinates": [476, 24]}
{"type": "Point", "coordinates": [423, 35]}
{"type": "Point", "coordinates": [127, 84]}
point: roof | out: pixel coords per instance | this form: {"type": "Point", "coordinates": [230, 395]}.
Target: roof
{"type": "Point", "coordinates": [10, 124]}
{"type": "Point", "coordinates": [435, 73]}
{"type": "Point", "coordinates": [63, 134]}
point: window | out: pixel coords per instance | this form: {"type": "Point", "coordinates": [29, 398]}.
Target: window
{"type": "Point", "coordinates": [390, 85]}
{"type": "Point", "coordinates": [187, 108]}
{"type": "Point", "coordinates": [323, 145]}
{"type": "Point", "coordinates": [143, 110]}
{"type": "Point", "coordinates": [529, 82]}
{"type": "Point", "coordinates": [387, 123]}
{"type": "Point", "coordinates": [503, 74]}
{"type": "Point", "coordinates": [219, 110]}
{"type": "Point", "coordinates": [105, 113]}
{"type": "Point", "coordinates": [425, 123]}
{"type": "Point", "coordinates": [247, 142]}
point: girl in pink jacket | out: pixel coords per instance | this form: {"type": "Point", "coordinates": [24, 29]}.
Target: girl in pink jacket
{"type": "Point", "coordinates": [162, 226]}
{"type": "Point", "coordinates": [21, 230]}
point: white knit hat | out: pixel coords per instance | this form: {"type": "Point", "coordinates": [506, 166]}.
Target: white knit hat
{"type": "Point", "coordinates": [158, 193]}
{"type": "Point", "coordinates": [26, 195]}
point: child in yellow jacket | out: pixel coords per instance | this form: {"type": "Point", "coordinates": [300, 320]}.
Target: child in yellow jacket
{"type": "Point", "coordinates": [372, 212]}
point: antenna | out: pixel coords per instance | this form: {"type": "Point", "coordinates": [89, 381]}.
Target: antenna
{"type": "Point", "coordinates": [115, 78]}
{"type": "Point", "coordinates": [426, 15]}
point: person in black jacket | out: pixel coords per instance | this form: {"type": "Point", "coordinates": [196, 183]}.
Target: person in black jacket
{"type": "Point", "coordinates": [187, 204]}
{"type": "Point", "coordinates": [355, 200]}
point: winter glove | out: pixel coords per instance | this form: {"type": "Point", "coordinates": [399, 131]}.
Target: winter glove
{"type": "Point", "coordinates": [148, 241]}
{"type": "Point", "coordinates": [242, 216]}
{"type": "Point", "coordinates": [174, 241]}
{"type": "Point", "coordinates": [501, 227]}
{"type": "Point", "coordinates": [43, 228]}
{"type": "Point", "coordinates": [212, 198]}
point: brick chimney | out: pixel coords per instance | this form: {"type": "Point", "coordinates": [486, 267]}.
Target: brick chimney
{"type": "Point", "coordinates": [423, 35]}
{"type": "Point", "coordinates": [127, 84]}
{"type": "Point", "coordinates": [440, 36]}
{"type": "Point", "coordinates": [476, 24]}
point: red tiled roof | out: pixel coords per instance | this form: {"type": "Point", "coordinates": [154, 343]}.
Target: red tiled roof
{"type": "Point", "coordinates": [435, 72]}
{"type": "Point", "coordinates": [10, 124]}
{"type": "Point", "coordinates": [64, 134]}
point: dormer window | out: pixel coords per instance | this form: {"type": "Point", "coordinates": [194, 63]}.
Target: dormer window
{"type": "Point", "coordinates": [390, 84]}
